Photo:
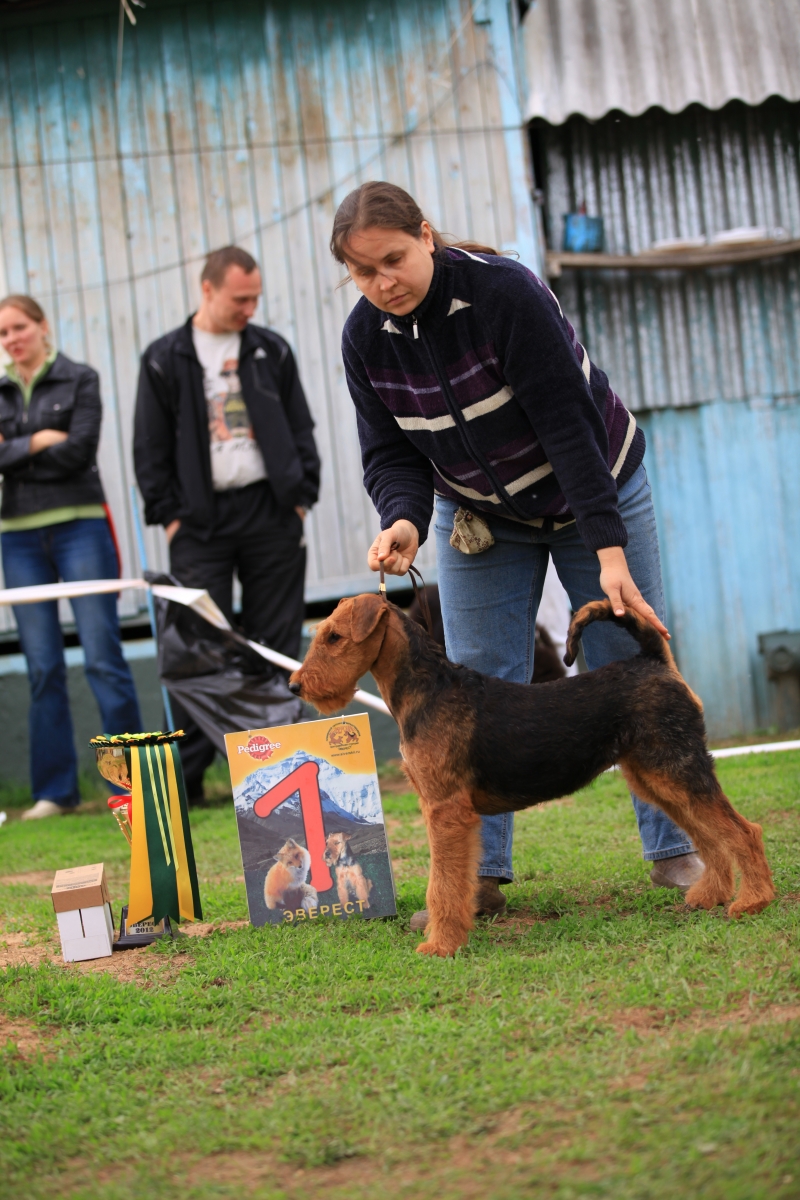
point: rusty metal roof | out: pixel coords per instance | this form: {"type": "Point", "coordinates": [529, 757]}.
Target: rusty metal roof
{"type": "Point", "coordinates": [592, 56]}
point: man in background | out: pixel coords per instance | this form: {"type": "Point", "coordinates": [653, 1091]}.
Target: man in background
{"type": "Point", "coordinates": [226, 461]}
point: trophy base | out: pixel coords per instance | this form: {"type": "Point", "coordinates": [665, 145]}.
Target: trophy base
{"type": "Point", "coordinates": [143, 933]}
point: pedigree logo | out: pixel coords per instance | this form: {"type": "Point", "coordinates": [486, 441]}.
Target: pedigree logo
{"type": "Point", "coordinates": [260, 747]}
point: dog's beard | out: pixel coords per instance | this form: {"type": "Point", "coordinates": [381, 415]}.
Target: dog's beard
{"type": "Point", "coordinates": [328, 703]}
{"type": "Point", "coordinates": [321, 688]}
{"type": "Point", "coordinates": [328, 706]}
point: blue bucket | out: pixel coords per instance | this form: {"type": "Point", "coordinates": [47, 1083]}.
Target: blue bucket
{"type": "Point", "coordinates": [582, 234]}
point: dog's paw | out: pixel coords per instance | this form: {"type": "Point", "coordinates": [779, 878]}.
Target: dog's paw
{"type": "Point", "coordinates": [442, 949]}
{"type": "Point", "coordinates": [700, 895]}
{"type": "Point", "coordinates": [748, 904]}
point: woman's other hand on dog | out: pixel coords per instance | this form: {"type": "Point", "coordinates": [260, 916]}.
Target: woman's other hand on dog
{"type": "Point", "coordinates": [394, 548]}
{"type": "Point", "coordinates": [618, 585]}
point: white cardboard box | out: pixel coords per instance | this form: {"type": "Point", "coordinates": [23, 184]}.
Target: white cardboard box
{"type": "Point", "coordinates": [86, 933]}
{"type": "Point", "coordinates": [83, 912]}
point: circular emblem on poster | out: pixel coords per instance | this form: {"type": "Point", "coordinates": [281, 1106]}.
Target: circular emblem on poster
{"type": "Point", "coordinates": [342, 735]}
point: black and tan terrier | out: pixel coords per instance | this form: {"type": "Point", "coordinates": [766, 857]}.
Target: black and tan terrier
{"type": "Point", "coordinates": [351, 882]}
{"type": "Point", "coordinates": [475, 745]}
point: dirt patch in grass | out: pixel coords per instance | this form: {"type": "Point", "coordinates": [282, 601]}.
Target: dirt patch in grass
{"type": "Point", "coordinates": [125, 965]}
{"type": "Point", "coordinates": [16, 950]}
{"type": "Point", "coordinates": [29, 879]}
{"type": "Point", "coordinates": [203, 929]}
{"type": "Point", "coordinates": [464, 1166]}
{"type": "Point", "coordinates": [656, 1020]}
{"type": "Point", "coordinates": [27, 1039]}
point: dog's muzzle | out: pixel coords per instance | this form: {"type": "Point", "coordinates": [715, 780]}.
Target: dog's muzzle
{"type": "Point", "coordinates": [295, 686]}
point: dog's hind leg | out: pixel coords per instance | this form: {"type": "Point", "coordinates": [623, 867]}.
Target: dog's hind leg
{"type": "Point", "coordinates": [454, 839]}
{"type": "Point", "coordinates": [721, 835]}
{"type": "Point", "coordinates": [716, 885]}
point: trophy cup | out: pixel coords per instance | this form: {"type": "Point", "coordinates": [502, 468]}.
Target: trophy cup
{"type": "Point", "coordinates": [154, 818]}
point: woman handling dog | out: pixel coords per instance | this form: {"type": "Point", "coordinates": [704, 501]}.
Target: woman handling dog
{"type": "Point", "coordinates": [55, 526]}
{"type": "Point", "coordinates": [469, 384]}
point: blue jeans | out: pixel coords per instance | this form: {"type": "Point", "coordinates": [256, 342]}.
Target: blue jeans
{"type": "Point", "coordinates": [489, 606]}
{"type": "Point", "coordinates": [81, 549]}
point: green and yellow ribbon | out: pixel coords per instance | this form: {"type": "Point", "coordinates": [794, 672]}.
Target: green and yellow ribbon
{"type": "Point", "coordinates": [163, 879]}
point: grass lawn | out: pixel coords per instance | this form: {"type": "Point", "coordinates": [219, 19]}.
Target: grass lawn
{"type": "Point", "coordinates": [600, 1040]}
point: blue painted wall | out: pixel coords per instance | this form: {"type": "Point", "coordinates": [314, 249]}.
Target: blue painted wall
{"type": "Point", "coordinates": [726, 484]}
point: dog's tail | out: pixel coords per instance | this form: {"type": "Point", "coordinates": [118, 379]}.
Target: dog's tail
{"type": "Point", "coordinates": [653, 645]}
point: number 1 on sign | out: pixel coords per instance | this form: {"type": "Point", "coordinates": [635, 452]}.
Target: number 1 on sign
{"type": "Point", "coordinates": [305, 780]}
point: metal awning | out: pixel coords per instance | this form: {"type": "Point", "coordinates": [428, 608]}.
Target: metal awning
{"type": "Point", "coordinates": [592, 56]}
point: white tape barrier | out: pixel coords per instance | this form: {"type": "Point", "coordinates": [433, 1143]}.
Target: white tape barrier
{"type": "Point", "coordinates": [68, 591]}
{"type": "Point", "coordinates": [195, 598]}
{"type": "Point", "coordinates": [736, 751]}
{"type": "Point", "coordinates": [201, 603]}
{"type": "Point", "coordinates": [758, 748]}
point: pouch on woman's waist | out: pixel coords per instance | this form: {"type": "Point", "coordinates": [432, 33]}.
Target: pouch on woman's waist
{"type": "Point", "coordinates": [471, 534]}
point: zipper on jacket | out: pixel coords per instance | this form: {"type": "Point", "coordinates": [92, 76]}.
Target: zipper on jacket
{"type": "Point", "coordinates": [416, 329]}
{"type": "Point", "coordinates": [458, 417]}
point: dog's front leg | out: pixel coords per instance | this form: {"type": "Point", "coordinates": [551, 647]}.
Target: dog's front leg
{"type": "Point", "coordinates": [342, 888]}
{"type": "Point", "coordinates": [454, 839]}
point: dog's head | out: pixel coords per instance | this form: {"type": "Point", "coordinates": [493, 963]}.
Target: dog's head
{"type": "Point", "coordinates": [344, 648]}
{"type": "Point", "coordinates": [291, 854]}
{"type": "Point", "coordinates": [335, 847]}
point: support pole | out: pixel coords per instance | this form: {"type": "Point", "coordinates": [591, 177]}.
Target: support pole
{"type": "Point", "coordinates": [151, 608]}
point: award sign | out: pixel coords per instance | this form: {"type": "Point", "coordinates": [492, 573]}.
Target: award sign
{"type": "Point", "coordinates": [310, 820]}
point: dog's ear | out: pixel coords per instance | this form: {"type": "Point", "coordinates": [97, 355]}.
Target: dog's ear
{"type": "Point", "coordinates": [365, 614]}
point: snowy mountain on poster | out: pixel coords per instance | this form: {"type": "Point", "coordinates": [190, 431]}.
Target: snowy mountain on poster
{"type": "Point", "coordinates": [357, 796]}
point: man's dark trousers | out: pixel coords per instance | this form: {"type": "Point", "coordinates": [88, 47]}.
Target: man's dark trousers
{"type": "Point", "coordinates": [263, 542]}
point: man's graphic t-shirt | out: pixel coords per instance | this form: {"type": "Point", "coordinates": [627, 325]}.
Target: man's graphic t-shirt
{"type": "Point", "coordinates": [235, 457]}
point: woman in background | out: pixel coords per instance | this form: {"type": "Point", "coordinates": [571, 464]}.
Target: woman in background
{"type": "Point", "coordinates": [54, 525]}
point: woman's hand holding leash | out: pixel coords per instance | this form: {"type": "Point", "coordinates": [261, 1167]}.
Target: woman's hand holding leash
{"type": "Point", "coordinates": [616, 582]}
{"type": "Point", "coordinates": [394, 549]}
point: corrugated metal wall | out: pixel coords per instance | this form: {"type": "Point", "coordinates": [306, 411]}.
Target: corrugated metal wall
{"type": "Point", "coordinates": [711, 360]}
{"type": "Point", "coordinates": [591, 56]}
{"type": "Point", "coordinates": [245, 122]}
{"type": "Point", "coordinates": [726, 486]}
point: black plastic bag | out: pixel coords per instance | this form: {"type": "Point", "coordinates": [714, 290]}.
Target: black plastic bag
{"type": "Point", "coordinates": [223, 683]}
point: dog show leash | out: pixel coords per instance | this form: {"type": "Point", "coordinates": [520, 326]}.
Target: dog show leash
{"type": "Point", "coordinates": [419, 591]}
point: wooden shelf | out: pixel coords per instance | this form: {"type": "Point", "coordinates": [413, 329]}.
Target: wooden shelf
{"type": "Point", "coordinates": [672, 260]}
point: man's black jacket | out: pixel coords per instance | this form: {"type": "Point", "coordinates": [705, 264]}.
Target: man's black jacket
{"type": "Point", "coordinates": [171, 451]}
{"type": "Point", "coordinates": [66, 398]}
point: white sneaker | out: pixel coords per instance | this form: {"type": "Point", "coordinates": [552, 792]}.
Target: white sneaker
{"type": "Point", "coordinates": [43, 808]}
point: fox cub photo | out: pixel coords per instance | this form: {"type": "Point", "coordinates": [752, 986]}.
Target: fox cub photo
{"type": "Point", "coordinates": [285, 885]}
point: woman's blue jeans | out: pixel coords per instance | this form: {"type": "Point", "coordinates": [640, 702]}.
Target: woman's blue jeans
{"type": "Point", "coordinates": [489, 606]}
{"type": "Point", "coordinates": [81, 549]}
